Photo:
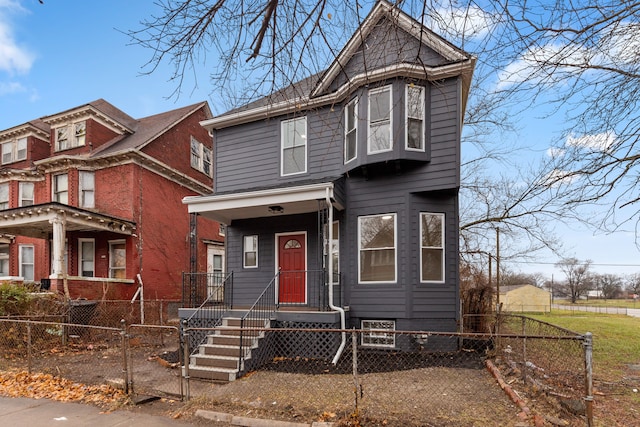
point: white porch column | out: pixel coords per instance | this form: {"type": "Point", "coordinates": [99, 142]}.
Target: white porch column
{"type": "Point", "coordinates": [57, 254]}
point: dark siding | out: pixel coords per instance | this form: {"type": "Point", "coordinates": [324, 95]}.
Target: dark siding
{"type": "Point", "coordinates": [386, 45]}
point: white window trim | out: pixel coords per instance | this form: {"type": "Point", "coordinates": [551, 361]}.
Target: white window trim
{"type": "Point", "coordinates": [82, 189]}
{"type": "Point", "coordinates": [21, 198]}
{"type": "Point", "coordinates": [5, 257]}
{"type": "Point", "coordinates": [81, 259]}
{"type": "Point", "coordinates": [354, 101]}
{"type": "Point", "coordinates": [8, 200]}
{"type": "Point", "coordinates": [282, 147]}
{"type": "Point", "coordinates": [442, 222]}
{"type": "Point", "coordinates": [54, 187]}
{"type": "Point", "coordinates": [395, 248]}
{"type": "Point", "coordinates": [72, 137]}
{"type": "Point", "coordinates": [368, 331]}
{"type": "Point", "coordinates": [200, 163]}
{"type": "Point", "coordinates": [406, 118]}
{"type": "Point", "coordinates": [111, 268]}
{"type": "Point", "coordinates": [244, 250]}
{"type": "Point", "coordinates": [15, 149]}
{"type": "Point", "coordinates": [20, 264]}
{"type": "Point", "coordinates": [374, 91]}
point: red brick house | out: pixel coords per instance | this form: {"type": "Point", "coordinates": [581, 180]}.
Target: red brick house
{"type": "Point", "coordinates": [91, 200]}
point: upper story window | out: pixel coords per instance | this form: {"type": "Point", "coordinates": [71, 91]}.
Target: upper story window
{"type": "Point", "coordinates": [26, 194]}
{"type": "Point", "coordinates": [86, 188]}
{"type": "Point", "coordinates": [60, 188]}
{"type": "Point", "coordinates": [294, 146]}
{"type": "Point", "coordinates": [4, 195]}
{"type": "Point", "coordinates": [70, 136]}
{"type": "Point", "coordinates": [14, 151]}
{"type": "Point", "coordinates": [377, 247]}
{"type": "Point", "coordinates": [415, 118]}
{"type": "Point", "coordinates": [380, 123]}
{"type": "Point", "coordinates": [351, 131]}
{"type": "Point", "coordinates": [431, 247]}
{"type": "Point", "coordinates": [201, 157]}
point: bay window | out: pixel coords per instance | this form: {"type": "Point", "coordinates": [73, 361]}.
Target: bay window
{"type": "Point", "coordinates": [414, 97]}
{"type": "Point", "coordinates": [377, 248]}
{"type": "Point", "coordinates": [380, 123]}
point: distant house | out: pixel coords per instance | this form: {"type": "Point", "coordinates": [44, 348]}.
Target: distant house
{"type": "Point", "coordinates": [525, 298]}
{"type": "Point", "coordinates": [91, 200]}
{"type": "Point", "coordinates": [342, 189]}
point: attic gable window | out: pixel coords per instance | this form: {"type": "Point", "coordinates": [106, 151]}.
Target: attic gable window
{"type": "Point", "coordinates": [14, 151]}
{"type": "Point", "coordinates": [380, 123]}
{"type": "Point", "coordinates": [351, 131]}
{"type": "Point", "coordinates": [294, 146]}
{"type": "Point", "coordinates": [201, 157]}
{"type": "Point", "coordinates": [415, 118]}
{"type": "Point", "coordinates": [70, 136]}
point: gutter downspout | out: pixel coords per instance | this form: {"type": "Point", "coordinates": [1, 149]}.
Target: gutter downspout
{"type": "Point", "coordinates": [330, 284]}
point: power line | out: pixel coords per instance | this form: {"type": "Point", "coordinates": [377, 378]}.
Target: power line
{"type": "Point", "coordinates": [554, 263]}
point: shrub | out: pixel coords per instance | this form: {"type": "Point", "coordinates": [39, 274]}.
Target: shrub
{"type": "Point", "coordinates": [14, 299]}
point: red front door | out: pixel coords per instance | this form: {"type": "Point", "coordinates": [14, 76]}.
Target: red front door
{"type": "Point", "coordinates": [292, 286]}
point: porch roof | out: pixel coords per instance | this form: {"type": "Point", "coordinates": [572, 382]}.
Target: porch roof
{"type": "Point", "coordinates": [37, 220]}
{"type": "Point", "coordinates": [225, 208]}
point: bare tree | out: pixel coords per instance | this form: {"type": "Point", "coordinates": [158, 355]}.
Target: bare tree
{"type": "Point", "coordinates": [609, 285]}
{"type": "Point", "coordinates": [580, 55]}
{"type": "Point", "coordinates": [577, 274]}
{"type": "Point", "coordinates": [633, 284]}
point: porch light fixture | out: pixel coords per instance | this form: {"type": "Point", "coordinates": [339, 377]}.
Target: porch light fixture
{"type": "Point", "coordinates": [276, 209]}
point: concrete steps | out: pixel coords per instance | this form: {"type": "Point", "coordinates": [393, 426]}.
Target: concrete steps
{"type": "Point", "coordinates": [218, 358]}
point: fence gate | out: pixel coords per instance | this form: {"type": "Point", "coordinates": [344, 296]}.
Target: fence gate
{"type": "Point", "coordinates": [154, 361]}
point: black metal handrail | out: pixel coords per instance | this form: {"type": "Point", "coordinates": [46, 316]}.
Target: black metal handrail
{"type": "Point", "coordinates": [255, 319]}
{"type": "Point", "coordinates": [210, 312]}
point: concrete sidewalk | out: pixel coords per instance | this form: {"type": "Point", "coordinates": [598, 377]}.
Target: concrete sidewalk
{"type": "Point", "coordinates": [23, 412]}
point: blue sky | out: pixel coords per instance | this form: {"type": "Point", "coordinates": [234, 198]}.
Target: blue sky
{"type": "Point", "coordinates": [61, 54]}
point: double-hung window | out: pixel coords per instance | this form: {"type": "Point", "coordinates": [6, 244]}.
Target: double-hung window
{"type": "Point", "coordinates": [431, 247]}
{"type": "Point", "coordinates": [294, 146]}
{"type": "Point", "coordinates": [250, 252]}
{"type": "Point", "coordinates": [201, 157]}
{"type": "Point", "coordinates": [377, 248]}
{"type": "Point", "coordinates": [117, 259]}
{"type": "Point", "coordinates": [86, 263]}
{"type": "Point", "coordinates": [60, 188]}
{"type": "Point", "coordinates": [86, 189]}
{"type": "Point", "coordinates": [14, 151]}
{"type": "Point", "coordinates": [26, 262]}
{"type": "Point", "coordinates": [26, 194]}
{"type": "Point", "coordinates": [415, 118]}
{"type": "Point", "coordinates": [380, 123]}
{"type": "Point", "coordinates": [4, 195]}
{"type": "Point", "coordinates": [71, 136]}
{"type": "Point", "coordinates": [351, 131]}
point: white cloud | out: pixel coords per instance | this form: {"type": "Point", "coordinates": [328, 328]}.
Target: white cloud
{"type": "Point", "coordinates": [454, 23]}
{"type": "Point", "coordinates": [555, 152]}
{"type": "Point", "coordinates": [11, 87]}
{"type": "Point", "coordinates": [13, 57]}
{"type": "Point", "coordinates": [597, 142]}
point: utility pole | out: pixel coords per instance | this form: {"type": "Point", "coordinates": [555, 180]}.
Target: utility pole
{"type": "Point", "coordinates": [498, 269]}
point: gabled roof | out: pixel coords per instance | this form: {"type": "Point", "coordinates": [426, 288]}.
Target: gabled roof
{"type": "Point", "coordinates": [147, 130]}
{"type": "Point", "coordinates": [315, 91]}
{"type": "Point", "coordinates": [98, 108]}
{"type": "Point", "coordinates": [35, 127]}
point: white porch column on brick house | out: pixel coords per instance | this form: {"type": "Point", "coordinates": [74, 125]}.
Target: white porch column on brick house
{"type": "Point", "coordinates": [57, 254]}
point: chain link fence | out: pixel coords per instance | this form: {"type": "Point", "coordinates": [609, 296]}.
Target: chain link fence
{"type": "Point", "coordinates": [377, 374]}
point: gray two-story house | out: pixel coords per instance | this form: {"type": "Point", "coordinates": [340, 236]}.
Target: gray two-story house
{"type": "Point", "coordinates": [354, 171]}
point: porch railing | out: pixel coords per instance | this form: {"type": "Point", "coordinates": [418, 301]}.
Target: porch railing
{"type": "Point", "coordinates": [206, 289]}
{"type": "Point", "coordinates": [214, 290]}
{"type": "Point", "coordinates": [308, 288]}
